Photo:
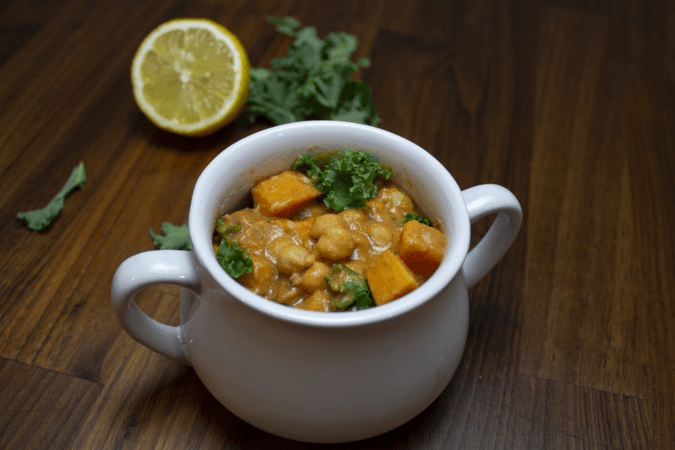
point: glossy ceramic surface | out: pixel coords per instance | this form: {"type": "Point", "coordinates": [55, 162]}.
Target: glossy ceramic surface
{"type": "Point", "coordinates": [319, 377]}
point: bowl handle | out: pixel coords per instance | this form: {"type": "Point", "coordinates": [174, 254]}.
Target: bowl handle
{"type": "Point", "coordinates": [481, 201]}
{"type": "Point", "coordinates": [145, 269]}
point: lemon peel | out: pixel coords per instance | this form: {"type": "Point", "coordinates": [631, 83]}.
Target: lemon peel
{"type": "Point", "coordinates": [191, 76]}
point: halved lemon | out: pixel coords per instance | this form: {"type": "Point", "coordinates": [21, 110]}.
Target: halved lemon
{"type": "Point", "coordinates": [191, 76]}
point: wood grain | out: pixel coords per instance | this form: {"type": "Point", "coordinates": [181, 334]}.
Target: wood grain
{"type": "Point", "coordinates": [570, 104]}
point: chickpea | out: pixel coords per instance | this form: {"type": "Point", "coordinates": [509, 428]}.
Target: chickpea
{"type": "Point", "coordinates": [286, 293]}
{"type": "Point", "coordinates": [323, 223]}
{"type": "Point", "coordinates": [361, 246]}
{"type": "Point", "coordinates": [311, 210]}
{"type": "Point", "coordinates": [380, 235]}
{"type": "Point", "coordinates": [360, 239]}
{"type": "Point", "coordinates": [278, 244]}
{"type": "Point", "coordinates": [302, 228]}
{"type": "Point", "coordinates": [336, 243]}
{"type": "Point", "coordinates": [313, 279]}
{"type": "Point", "coordinates": [294, 258]}
{"type": "Point", "coordinates": [352, 216]}
{"type": "Point", "coordinates": [287, 225]}
{"type": "Point", "coordinates": [400, 200]}
{"type": "Point", "coordinates": [390, 201]}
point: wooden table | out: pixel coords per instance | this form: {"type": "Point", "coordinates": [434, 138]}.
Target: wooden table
{"type": "Point", "coordinates": [570, 104]}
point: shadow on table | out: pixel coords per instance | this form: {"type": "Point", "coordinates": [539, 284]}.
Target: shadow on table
{"type": "Point", "coordinates": [221, 139]}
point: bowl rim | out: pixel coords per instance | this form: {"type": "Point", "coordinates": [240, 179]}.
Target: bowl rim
{"type": "Point", "coordinates": [203, 211]}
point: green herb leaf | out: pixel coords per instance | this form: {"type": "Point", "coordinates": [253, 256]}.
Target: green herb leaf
{"type": "Point", "coordinates": [285, 25]}
{"type": "Point", "coordinates": [175, 237]}
{"type": "Point", "coordinates": [412, 216]}
{"type": "Point", "coordinates": [361, 295]}
{"type": "Point", "coordinates": [356, 105]}
{"type": "Point", "coordinates": [354, 287]}
{"type": "Point", "coordinates": [234, 259]}
{"type": "Point", "coordinates": [310, 164]}
{"type": "Point", "coordinates": [340, 274]}
{"type": "Point", "coordinates": [224, 230]}
{"type": "Point", "coordinates": [312, 80]}
{"type": "Point", "coordinates": [40, 219]}
{"type": "Point", "coordinates": [348, 180]}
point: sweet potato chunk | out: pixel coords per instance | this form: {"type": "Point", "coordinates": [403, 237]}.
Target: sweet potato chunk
{"type": "Point", "coordinates": [421, 248]}
{"type": "Point", "coordinates": [283, 194]}
{"type": "Point", "coordinates": [389, 278]}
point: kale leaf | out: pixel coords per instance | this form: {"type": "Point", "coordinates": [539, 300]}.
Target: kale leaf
{"type": "Point", "coordinates": [224, 229]}
{"type": "Point", "coordinates": [234, 259]}
{"type": "Point", "coordinates": [352, 285]}
{"type": "Point", "coordinates": [421, 219]}
{"type": "Point", "coordinates": [40, 219]}
{"type": "Point", "coordinates": [310, 164]}
{"type": "Point", "coordinates": [312, 80]}
{"type": "Point", "coordinates": [347, 180]}
{"type": "Point", "coordinates": [175, 237]}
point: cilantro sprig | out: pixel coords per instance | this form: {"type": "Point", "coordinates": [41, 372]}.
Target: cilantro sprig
{"type": "Point", "coordinates": [40, 219]}
{"type": "Point", "coordinates": [347, 180]}
{"type": "Point", "coordinates": [312, 80]}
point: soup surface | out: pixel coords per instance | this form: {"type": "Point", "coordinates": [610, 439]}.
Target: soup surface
{"type": "Point", "coordinates": [303, 245]}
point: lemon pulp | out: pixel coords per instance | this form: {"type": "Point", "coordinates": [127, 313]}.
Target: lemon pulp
{"type": "Point", "coordinates": [191, 76]}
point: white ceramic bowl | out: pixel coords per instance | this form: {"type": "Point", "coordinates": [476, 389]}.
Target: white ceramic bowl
{"type": "Point", "coordinates": [319, 377]}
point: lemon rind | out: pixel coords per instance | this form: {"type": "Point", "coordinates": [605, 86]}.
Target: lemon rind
{"type": "Point", "coordinates": [241, 69]}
